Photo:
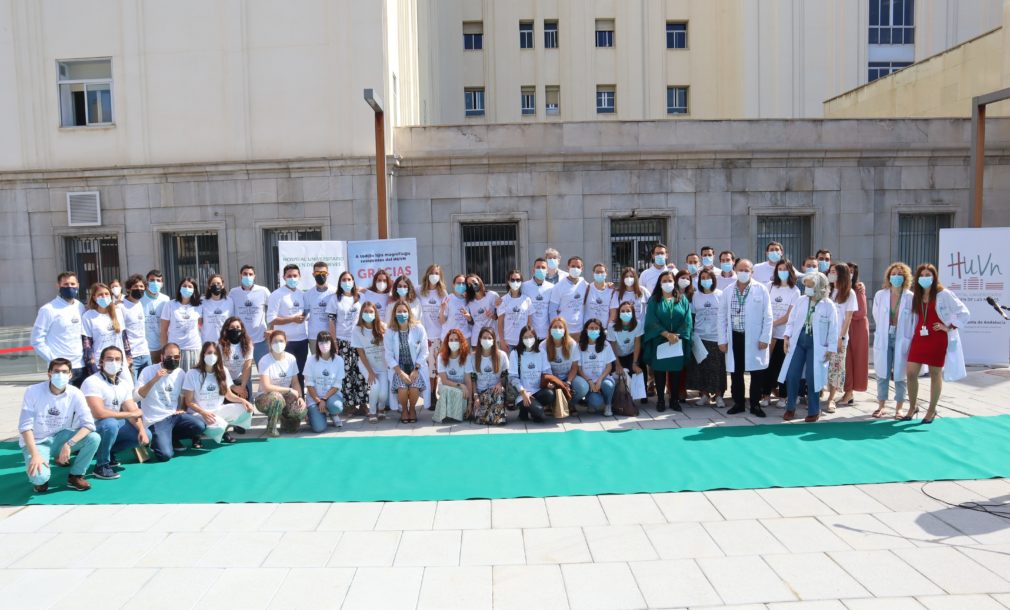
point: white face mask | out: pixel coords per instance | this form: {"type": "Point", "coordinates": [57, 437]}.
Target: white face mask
{"type": "Point", "coordinates": [515, 285]}
{"type": "Point", "coordinates": [668, 287]}
{"type": "Point", "coordinates": [487, 344]}
{"type": "Point", "coordinates": [116, 291]}
{"type": "Point", "coordinates": [112, 367]}
{"type": "Point", "coordinates": [210, 359]}
{"type": "Point", "coordinates": [278, 346]}
{"type": "Point", "coordinates": [575, 271]}
{"type": "Point", "coordinates": [683, 282]}
{"type": "Point", "coordinates": [324, 348]}
{"type": "Point", "coordinates": [454, 346]}
{"type": "Point", "coordinates": [433, 278]}
{"type": "Point", "coordinates": [381, 286]}
{"type": "Point", "coordinates": [629, 282]}
{"type": "Point", "coordinates": [832, 277]}
{"type": "Point", "coordinates": [743, 276]}
{"type": "Point", "coordinates": [529, 342]}
{"type": "Point", "coordinates": [809, 291]}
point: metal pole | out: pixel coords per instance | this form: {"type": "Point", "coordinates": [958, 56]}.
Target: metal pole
{"type": "Point", "coordinates": [380, 174]}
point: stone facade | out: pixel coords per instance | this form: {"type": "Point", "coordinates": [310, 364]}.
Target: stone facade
{"type": "Point", "coordinates": [562, 183]}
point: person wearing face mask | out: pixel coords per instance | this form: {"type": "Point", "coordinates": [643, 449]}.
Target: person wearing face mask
{"type": "Point", "coordinates": [708, 377]}
{"type": "Point", "coordinates": [134, 322]}
{"type": "Point", "coordinates": [159, 391]}
{"type": "Point", "coordinates": [116, 288]}
{"type": "Point", "coordinates": [809, 266]}
{"type": "Point", "coordinates": [286, 310]}
{"type": "Point", "coordinates": [568, 297]}
{"type": "Point", "coordinates": [403, 292]}
{"type": "Point", "coordinates": [857, 357]}
{"type": "Point", "coordinates": [650, 275]}
{"type": "Point", "coordinates": [527, 369]}
{"type": "Point", "coordinates": [481, 305]}
{"type": "Point", "coordinates": [154, 302]}
{"type": "Point", "coordinates": [667, 320]}
{"type": "Point", "coordinates": [823, 261]}
{"type": "Point", "coordinates": [280, 392]}
{"type": "Point", "coordinates": [892, 316]}
{"type": "Point", "coordinates": [707, 257]}
{"type": "Point", "coordinates": [180, 322]}
{"type": "Point", "coordinates": [249, 301]}
{"type": "Point", "coordinates": [554, 272]}
{"type": "Point", "coordinates": [745, 332]}
{"type": "Point", "coordinates": [625, 336]}
{"type": "Point", "coordinates": [344, 310]}
{"type": "Point", "coordinates": [215, 308]}
{"type": "Point", "coordinates": [453, 363]}
{"type": "Point", "coordinates": [367, 339]}
{"type": "Point", "coordinates": [629, 291]}
{"type": "Point", "coordinates": [379, 294]}
{"type": "Point", "coordinates": [102, 326]}
{"type": "Point", "coordinates": [685, 286]}
{"type": "Point", "coordinates": [204, 391]}
{"type": "Point", "coordinates": [433, 298]}
{"type": "Point", "coordinates": [726, 277]}
{"type": "Point", "coordinates": [55, 416]}
{"type": "Point", "coordinates": [317, 300]}
{"type": "Point", "coordinates": [515, 312]}
{"type": "Point", "coordinates": [324, 376]}
{"type": "Point", "coordinates": [236, 350]}
{"type": "Point", "coordinates": [456, 315]}
{"type": "Point", "coordinates": [563, 356]}
{"type": "Point", "coordinates": [693, 262]}
{"type": "Point", "coordinates": [810, 339]}
{"type": "Point", "coordinates": [764, 271]}
{"type": "Point", "coordinates": [844, 297]}
{"type": "Point", "coordinates": [599, 296]}
{"type": "Point", "coordinates": [937, 314]}
{"type": "Point", "coordinates": [490, 369]}
{"type": "Point", "coordinates": [58, 327]}
{"type": "Point", "coordinates": [538, 290]}
{"type": "Point", "coordinates": [596, 361]}
{"type": "Point", "coordinates": [118, 420]}
{"type": "Point", "coordinates": [406, 354]}
{"type": "Point", "coordinates": [783, 293]}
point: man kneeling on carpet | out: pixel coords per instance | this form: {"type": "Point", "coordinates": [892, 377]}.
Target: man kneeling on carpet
{"type": "Point", "coordinates": [48, 413]}
{"type": "Point", "coordinates": [118, 419]}
{"type": "Point", "coordinates": [204, 392]}
{"type": "Point", "coordinates": [159, 391]}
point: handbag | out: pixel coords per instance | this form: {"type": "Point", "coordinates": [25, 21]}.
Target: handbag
{"type": "Point", "coordinates": [622, 403]}
{"type": "Point", "coordinates": [560, 405]}
{"type": "Point", "coordinates": [636, 386]}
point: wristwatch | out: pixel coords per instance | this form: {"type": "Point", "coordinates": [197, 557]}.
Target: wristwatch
{"type": "Point", "coordinates": [71, 443]}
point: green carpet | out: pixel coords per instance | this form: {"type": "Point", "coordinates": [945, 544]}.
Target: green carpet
{"type": "Point", "coordinates": [536, 465]}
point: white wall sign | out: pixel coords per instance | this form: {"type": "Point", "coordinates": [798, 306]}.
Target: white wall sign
{"type": "Point", "coordinates": [397, 256]}
{"type": "Point", "coordinates": [307, 253]}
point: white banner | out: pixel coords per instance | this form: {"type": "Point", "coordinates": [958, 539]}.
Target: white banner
{"type": "Point", "coordinates": [397, 256]}
{"type": "Point", "coordinates": [974, 264]}
{"type": "Point", "coordinates": [305, 254]}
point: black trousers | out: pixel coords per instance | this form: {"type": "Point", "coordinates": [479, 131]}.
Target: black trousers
{"type": "Point", "coordinates": [540, 403]}
{"type": "Point", "coordinates": [666, 379]}
{"type": "Point", "coordinates": [771, 377]}
{"type": "Point", "coordinates": [757, 378]}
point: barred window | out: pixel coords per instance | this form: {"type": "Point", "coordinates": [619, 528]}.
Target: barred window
{"type": "Point", "coordinates": [793, 232]}
{"type": "Point", "coordinates": [919, 237]}
{"type": "Point", "coordinates": [94, 259]}
{"type": "Point", "coordinates": [271, 255]}
{"type": "Point", "coordinates": [631, 242]}
{"type": "Point", "coordinates": [490, 250]}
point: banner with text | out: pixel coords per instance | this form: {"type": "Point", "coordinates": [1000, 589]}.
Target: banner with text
{"type": "Point", "coordinates": [974, 263]}
{"type": "Point", "coordinates": [396, 256]}
{"type": "Point", "coordinates": [305, 254]}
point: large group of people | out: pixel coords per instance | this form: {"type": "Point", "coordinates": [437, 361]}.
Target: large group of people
{"type": "Point", "coordinates": [135, 367]}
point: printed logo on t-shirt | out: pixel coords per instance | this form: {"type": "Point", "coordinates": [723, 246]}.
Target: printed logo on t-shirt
{"type": "Point", "coordinates": [515, 310]}
{"type": "Point", "coordinates": [248, 303]}
{"type": "Point", "coordinates": [531, 366]}
{"type": "Point", "coordinates": [326, 373]}
{"type": "Point", "coordinates": [211, 387]}
{"type": "Point", "coordinates": [283, 374]}
{"type": "Point", "coordinates": [110, 328]}
{"type": "Point", "coordinates": [540, 297]}
{"type": "Point", "coordinates": [54, 411]}
{"type": "Point", "coordinates": [296, 305]}
{"type": "Point", "coordinates": [487, 368]}
{"type": "Point", "coordinates": [218, 311]}
{"type": "Point", "coordinates": [184, 315]}
{"type": "Point", "coordinates": [75, 320]}
{"type": "Point", "coordinates": [481, 310]}
{"type": "Point", "coordinates": [778, 299]}
{"type": "Point", "coordinates": [592, 356]}
{"type": "Point", "coordinates": [431, 301]}
{"type": "Point", "coordinates": [708, 304]}
{"type": "Point", "coordinates": [168, 388]}
{"type": "Point", "coordinates": [599, 301]}
{"type": "Point", "coordinates": [151, 313]}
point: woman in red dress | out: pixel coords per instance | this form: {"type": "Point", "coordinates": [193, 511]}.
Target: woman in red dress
{"type": "Point", "coordinates": [857, 357]}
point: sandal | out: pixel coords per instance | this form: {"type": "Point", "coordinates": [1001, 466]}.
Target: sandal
{"type": "Point", "coordinates": [878, 413]}
{"type": "Point", "coordinates": [372, 419]}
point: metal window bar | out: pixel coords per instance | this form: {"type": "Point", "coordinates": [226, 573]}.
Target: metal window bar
{"type": "Point", "coordinates": [631, 242]}
{"type": "Point", "coordinates": [919, 237]}
{"type": "Point", "coordinates": [193, 255]}
{"type": "Point", "coordinates": [793, 232]}
{"type": "Point", "coordinates": [272, 257]}
{"type": "Point", "coordinates": [93, 259]}
{"type": "Point", "coordinates": [491, 250]}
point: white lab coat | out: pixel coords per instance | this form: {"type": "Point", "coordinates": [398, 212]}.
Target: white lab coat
{"type": "Point", "coordinates": [951, 312]}
{"type": "Point", "coordinates": [825, 326]}
{"type": "Point", "coordinates": [757, 326]}
{"type": "Point", "coordinates": [902, 332]}
{"type": "Point", "coordinates": [418, 350]}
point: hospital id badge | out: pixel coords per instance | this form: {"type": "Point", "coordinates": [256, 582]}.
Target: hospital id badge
{"type": "Point", "coordinates": [923, 332]}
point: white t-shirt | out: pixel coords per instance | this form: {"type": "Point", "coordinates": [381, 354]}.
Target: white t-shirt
{"type": "Point", "coordinates": [345, 311]}
{"type": "Point", "coordinates": [454, 318]}
{"type": "Point", "coordinates": [214, 313]}
{"type": "Point", "coordinates": [152, 318]}
{"type": "Point", "coordinates": [782, 297]}
{"type": "Point", "coordinates": [45, 413]}
{"type": "Point", "coordinates": [560, 365]}
{"type": "Point", "coordinates": [486, 376]}
{"type": "Point", "coordinates": [454, 371]}
{"type": "Point", "coordinates": [640, 301]}
{"type": "Point", "coordinates": [625, 339]}
{"type": "Point", "coordinates": [362, 338]}
{"type": "Point", "coordinates": [722, 283]}
{"type": "Point", "coordinates": [540, 300]}
{"type": "Point", "coordinates": [285, 303]}
{"type": "Point", "coordinates": [479, 309]}
{"type": "Point", "coordinates": [113, 395]}
{"type": "Point", "coordinates": [280, 372]}
{"type": "Point", "coordinates": [598, 304]}
{"type": "Point", "coordinates": [251, 306]}
{"type": "Point", "coordinates": [592, 363]}
{"type": "Point", "coordinates": [318, 302]}
{"type": "Point", "coordinates": [431, 304]}
{"type": "Point", "coordinates": [57, 332]}
{"type": "Point", "coordinates": [534, 365]}
{"type": "Point", "coordinates": [648, 278]}
{"type": "Point", "coordinates": [236, 360]}
{"type": "Point", "coordinates": [183, 324]}
{"type": "Point", "coordinates": [135, 318]}
{"type": "Point", "coordinates": [850, 304]}
{"type": "Point", "coordinates": [763, 272]}
{"type": "Point", "coordinates": [516, 311]}
{"type": "Point", "coordinates": [206, 391]}
{"type": "Point", "coordinates": [99, 327]}
{"type": "Point", "coordinates": [566, 301]}
{"type": "Point", "coordinates": [323, 375]}
{"type": "Point", "coordinates": [706, 314]}
{"type": "Point", "coordinates": [163, 399]}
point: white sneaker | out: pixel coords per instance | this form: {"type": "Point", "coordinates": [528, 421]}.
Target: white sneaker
{"type": "Point", "coordinates": [764, 402]}
{"type": "Point", "coordinates": [719, 402]}
{"type": "Point", "coordinates": [339, 423]}
{"type": "Point", "coordinates": [608, 412]}
{"type": "Point", "coordinates": [701, 402]}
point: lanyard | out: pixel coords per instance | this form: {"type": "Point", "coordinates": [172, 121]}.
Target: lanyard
{"type": "Point", "coordinates": [742, 298]}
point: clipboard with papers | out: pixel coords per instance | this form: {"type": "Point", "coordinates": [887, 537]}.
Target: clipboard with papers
{"type": "Point", "coordinates": [669, 350]}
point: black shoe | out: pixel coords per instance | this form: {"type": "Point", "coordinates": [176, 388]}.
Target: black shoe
{"type": "Point", "coordinates": [227, 438]}
{"type": "Point", "coordinates": [178, 446]}
{"type": "Point", "coordinates": [41, 489]}
{"type": "Point", "coordinates": [643, 401]}
{"type": "Point", "coordinates": [238, 429]}
{"type": "Point", "coordinates": [676, 407]}
{"type": "Point", "coordinates": [660, 405]}
{"type": "Point", "coordinates": [113, 462]}
{"type": "Point", "coordinates": [105, 472]}
{"type": "Point", "coordinates": [524, 414]}
{"type": "Point", "coordinates": [431, 408]}
{"type": "Point", "coordinates": [758, 411]}
{"type": "Point", "coordinates": [736, 409]}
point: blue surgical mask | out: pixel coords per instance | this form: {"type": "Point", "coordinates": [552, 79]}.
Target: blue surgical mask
{"type": "Point", "coordinates": [593, 334]}
{"type": "Point", "coordinates": [292, 282]}
{"type": "Point", "coordinates": [926, 281]}
{"type": "Point", "coordinates": [811, 269]}
{"type": "Point", "coordinates": [368, 316]}
{"type": "Point", "coordinates": [659, 259]}
{"type": "Point", "coordinates": [552, 263]}
{"type": "Point", "coordinates": [600, 277]}
{"type": "Point", "coordinates": [726, 267]}
{"type": "Point", "coordinates": [707, 261]}
{"type": "Point", "coordinates": [460, 288]}
{"type": "Point", "coordinates": [705, 283]}
{"type": "Point", "coordinates": [60, 380]}
{"type": "Point", "coordinates": [626, 316]}
{"type": "Point", "coordinates": [774, 256]}
{"type": "Point", "coordinates": [402, 318]}
{"type": "Point", "coordinates": [185, 292]}
{"type": "Point", "coordinates": [347, 286]}
{"type": "Point", "coordinates": [540, 273]}
{"type": "Point", "coordinates": [401, 291]}
{"type": "Point", "coordinates": [69, 293]}
{"type": "Point", "coordinates": [823, 266]}
{"type": "Point", "coordinates": [557, 334]}
{"type": "Point", "coordinates": [897, 281]}
{"type": "Point", "coordinates": [154, 287]}
{"type": "Point", "coordinates": [248, 280]}
{"type": "Point", "coordinates": [783, 275]}
{"type": "Point", "coordinates": [692, 268]}
{"type": "Point", "coordinates": [103, 302]}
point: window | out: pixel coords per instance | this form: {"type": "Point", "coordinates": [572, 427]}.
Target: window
{"type": "Point", "coordinates": [550, 34]}
{"type": "Point", "coordinates": [271, 256]}
{"type": "Point", "coordinates": [491, 250]}
{"type": "Point", "coordinates": [474, 100]}
{"type": "Point", "coordinates": [919, 237]}
{"type": "Point", "coordinates": [528, 101]}
{"type": "Point", "coordinates": [604, 33]}
{"type": "Point", "coordinates": [676, 100]}
{"type": "Point", "coordinates": [892, 21]}
{"type": "Point", "coordinates": [793, 232]}
{"type": "Point", "coordinates": [552, 95]}
{"type": "Point", "coordinates": [93, 259]}
{"type": "Point", "coordinates": [85, 92]}
{"type": "Point", "coordinates": [880, 69]}
{"type": "Point", "coordinates": [606, 99]}
{"type": "Point", "coordinates": [194, 255]}
{"type": "Point", "coordinates": [676, 35]}
{"type": "Point", "coordinates": [525, 34]}
{"type": "Point", "coordinates": [473, 35]}
{"type": "Point", "coordinates": [631, 242]}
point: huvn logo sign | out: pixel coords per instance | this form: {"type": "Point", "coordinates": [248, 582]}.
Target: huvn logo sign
{"type": "Point", "coordinates": [974, 272]}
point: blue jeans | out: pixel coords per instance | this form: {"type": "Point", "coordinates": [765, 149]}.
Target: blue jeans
{"type": "Point", "coordinates": [85, 450]}
{"type": "Point", "coordinates": [580, 387]}
{"type": "Point", "coordinates": [596, 401]}
{"type": "Point", "coordinates": [803, 360]}
{"type": "Point", "coordinates": [139, 364]}
{"type": "Point", "coordinates": [174, 428]}
{"type": "Point", "coordinates": [885, 372]}
{"type": "Point", "coordinates": [317, 420]}
{"type": "Point", "coordinates": [117, 434]}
